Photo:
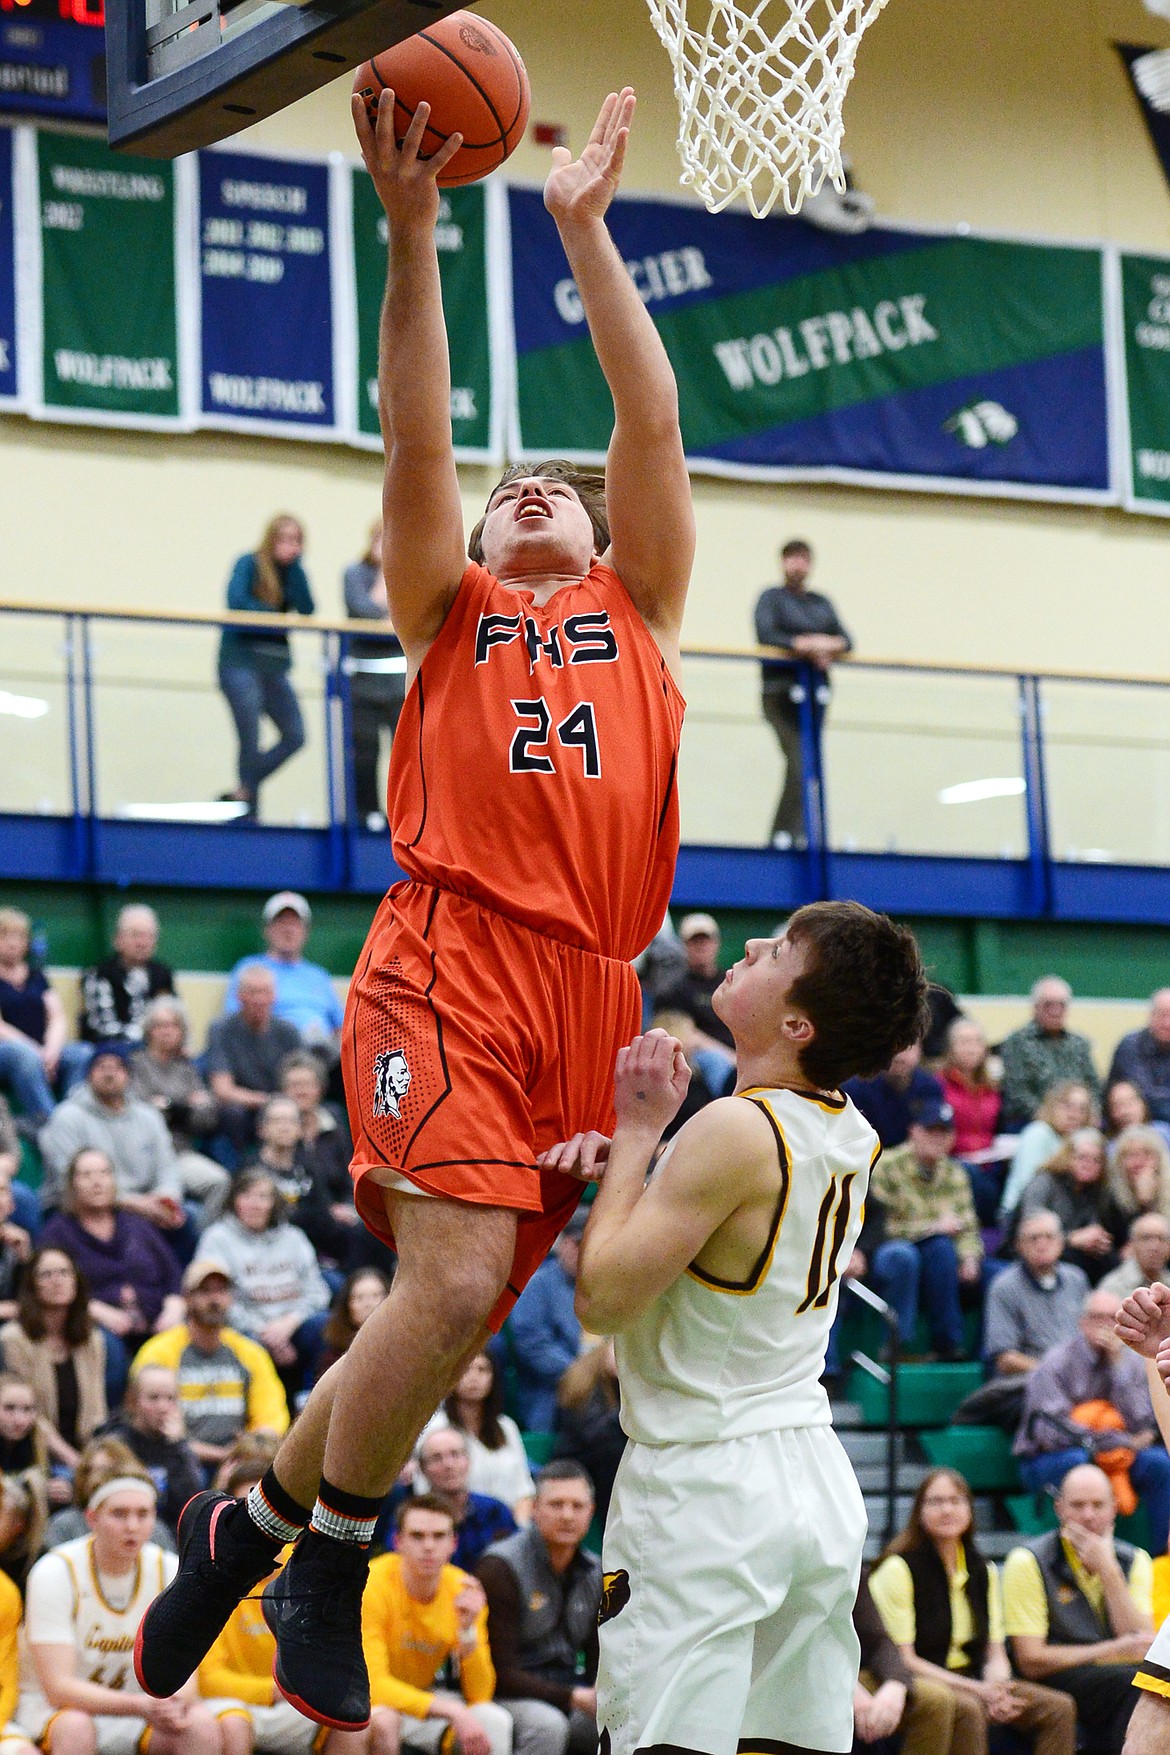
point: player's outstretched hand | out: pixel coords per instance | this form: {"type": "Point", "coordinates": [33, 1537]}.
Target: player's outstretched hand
{"type": "Point", "coordinates": [651, 1081]}
{"type": "Point", "coordinates": [583, 188]}
{"type": "Point", "coordinates": [1143, 1322]}
{"type": "Point", "coordinates": [405, 181]}
{"type": "Point", "coordinates": [585, 1156]}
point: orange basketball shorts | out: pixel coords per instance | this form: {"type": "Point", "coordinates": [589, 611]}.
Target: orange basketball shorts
{"type": "Point", "coordinates": [470, 1044]}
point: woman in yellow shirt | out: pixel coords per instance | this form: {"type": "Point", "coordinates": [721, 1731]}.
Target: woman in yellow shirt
{"type": "Point", "coordinates": [941, 1605]}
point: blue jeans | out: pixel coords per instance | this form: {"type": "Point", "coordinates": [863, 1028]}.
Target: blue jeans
{"type": "Point", "coordinates": [927, 1272]}
{"type": "Point", "coordinates": [1149, 1472]}
{"type": "Point", "coordinates": [252, 695]}
{"type": "Point", "coordinates": [23, 1071]}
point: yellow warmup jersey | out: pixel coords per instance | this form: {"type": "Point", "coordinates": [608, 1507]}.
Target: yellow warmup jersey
{"type": "Point", "coordinates": [712, 1360]}
{"type": "Point", "coordinates": [407, 1641]}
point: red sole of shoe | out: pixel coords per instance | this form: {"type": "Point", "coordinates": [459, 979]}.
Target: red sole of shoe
{"type": "Point", "coordinates": [307, 1711]}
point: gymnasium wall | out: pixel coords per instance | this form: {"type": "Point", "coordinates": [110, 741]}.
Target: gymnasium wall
{"type": "Point", "coordinates": [1010, 115]}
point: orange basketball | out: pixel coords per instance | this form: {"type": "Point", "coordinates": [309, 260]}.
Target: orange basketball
{"type": "Point", "coordinates": [474, 81]}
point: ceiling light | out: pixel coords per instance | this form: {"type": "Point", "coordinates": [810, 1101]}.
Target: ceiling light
{"type": "Point", "coordinates": [972, 791]}
{"type": "Point", "coordinates": [200, 811]}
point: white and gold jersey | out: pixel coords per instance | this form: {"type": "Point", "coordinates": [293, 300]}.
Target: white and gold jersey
{"type": "Point", "coordinates": [710, 1359]}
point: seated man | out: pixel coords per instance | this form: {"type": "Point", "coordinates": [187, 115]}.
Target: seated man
{"type": "Point", "coordinates": [543, 1595]}
{"type": "Point", "coordinates": [932, 1235]}
{"type": "Point", "coordinates": [543, 1332]}
{"type": "Point", "coordinates": [419, 1613]}
{"type": "Point", "coordinates": [1144, 1258]}
{"type": "Point", "coordinates": [889, 1100]}
{"type": "Point", "coordinates": [78, 1691]}
{"type": "Point", "coordinates": [1042, 1053]}
{"type": "Point", "coordinates": [479, 1519]}
{"type": "Point", "coordinates": [151, 1425]}
{"type": "Point", "coordinates": [1142, 1059]}
{"type": "Point", "coordinates": [227, 1383]}
{"type": "Point", "coordinates": [1093, 1367]}
{"type": "Point", "coordinates": [327, 1213]}
{"type": "Point", "coordinates": [1076, 1606]}
{"type": "Point", "coordinates": [245, 1052]}
{"type": "Point", "coordinates": [304, 991]}
{"type": "Point", "coordinates": [116, 992]}
{"type": "Point", "coordinates": [1035, 1304]}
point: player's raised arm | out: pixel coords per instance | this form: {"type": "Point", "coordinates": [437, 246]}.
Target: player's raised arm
{"type": "Point", "coordinates": [423, 552]}
{"type": "Point", "coordinates": [647, 490]}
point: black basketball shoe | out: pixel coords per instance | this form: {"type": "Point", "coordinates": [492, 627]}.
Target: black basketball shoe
{"type": "Point", "coordinates": [314, 1609]}
{"type": "Point", "coordinates": [222, 1556]}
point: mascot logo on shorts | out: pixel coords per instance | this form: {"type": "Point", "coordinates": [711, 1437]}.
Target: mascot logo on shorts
{"type": "Point", "coordinates": [391, 1082]}
{"type": "Point", "coordinates": [615, 1594]}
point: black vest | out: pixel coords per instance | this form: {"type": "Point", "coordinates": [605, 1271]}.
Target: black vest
{"type": "Point", "coordinates": [1072, 1619]}
{"type": "Point", "coordinates": [558, 1611]}
{"type": "Point", "coordinates": [932, 1606]}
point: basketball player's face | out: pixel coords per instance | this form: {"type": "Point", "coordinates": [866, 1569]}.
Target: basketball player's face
{"type": "Point", "coordinates": [535, 524]}
{"type": "Point", "coordinates": [121, 1525]}
{"type": "Point", "coordinates": [755, 990]}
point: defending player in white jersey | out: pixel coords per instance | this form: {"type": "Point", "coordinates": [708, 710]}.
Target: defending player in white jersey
{"type": "Point", "coordinates": [734, 1540]}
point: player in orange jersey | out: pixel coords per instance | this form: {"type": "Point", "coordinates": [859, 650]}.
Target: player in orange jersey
{"type": "Point", "coordinates": [534, 809]}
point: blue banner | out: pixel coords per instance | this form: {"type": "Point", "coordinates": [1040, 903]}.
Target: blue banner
{"type": "Point", "coordinates": [895, 357]}
{"type": "Point", "coordinates": [8, 380]}
{"type": "Point", "coordinates": [266, 285]}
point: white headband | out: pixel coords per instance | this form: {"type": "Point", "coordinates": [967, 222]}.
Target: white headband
{"type": "Point", "coordinates": [120, 1484]}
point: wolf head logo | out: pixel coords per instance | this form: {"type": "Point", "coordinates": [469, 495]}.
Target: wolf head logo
{"type": "Point", "coordinates": [615, 1594]}
{"type": "Point", "coordinates": [391, 1082]}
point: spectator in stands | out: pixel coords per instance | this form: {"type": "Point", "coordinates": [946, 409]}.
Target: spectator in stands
{"type": "Point", "coordinates": [479, 1518]}
{"type": "Point", "coordinates": [237, 1681]}
{"type": "Point", "coordinates": [941, 1605]}
{"type": "Point", "coordinates": [943, 1008]}
{"type": "Point", "coordinates": [278, 1151]}
{"type": "Point", "coordinates": [24, 1479]}
{"type": "Point", "coordinates": [12, 1739]}
{"type": "Point", "coordinates": [22, 1444]}
{"type": "Point", "coordinates": [360, 1295]}
{"type": "Point", "coordinates": [15, 1249]}
{"type": "Point", "coordinates": [1145, 1257]}
{"type": "Point", "coordinates": [932, 1242]}
{"type": "Point", "coordinates": [543, 1594]}
{"type": "Point", "coordinates": [151, 1425]}
{"type": "Point", "coordinates": [420, 1612]}
{"type": "Point", "coordinates": [1035, 1304]}
{"type": "Point", "coordinates": [1139, 1172]}
{"type": "Point", "coordinates": [1077, 1608]}
{"type": "Point", "coordinates": [589, 1427]}
{"type": "Point", "coordinates": [969, 1088]}
{"type": "Point", "coordinates": [101, 1115]}
{"type": "Point", "coordinates": [56, 1347]}
{"type": "Point", "coordinates": [1055, 1434]}
{"type": "Point", "coordinates": [227, 1383]}
{"type": "Point", "coordinates": [245, 1052]}
{"type": "Point", "coordinates": [701, 940]}
{"type": "Point", "coordinates": [499, 1463]}
{"type": "Point", "coordinates": [1075, 1187]}
{"type": "Point", "coordinates": [84, 1604]}
{"type": "Point", "coordinates": [280, 1296]}
{"type": "Point", "coordinates": [662, 965]}
{"type": "Point", "coordinates": [1044, 1052]}
{"type": "Point", "coordinates": [1142, 1058]}
{"type": "Point", "coordinates": [804, 623]}
{"type": "Point", "coordinates": [22, 1225]}
{"type": "Point", "coordinates": [101, 1460]}
{"type": "Point", "coordinates": [116, 992]}
{"type": "Point", "coordinates": [886, 1700]}
{"type": "Point", "coordinates": [543, 1331]}
{"type": "Point", "coordinates": [304, 991]}
{"type": "Point", "coordinates": [163, 1073]}
{"type": "Point", "coordinates": [326, 1211]}
{"type": "Point", "coordinates": [1067, 1108]}
{"type": "Point", "coordinates": [1124, 1106]}
{"type": "Point", "coordinates": [254, 666]}
{"type": "Point", "coordinates": [889, 1100]}
{"type": "Point", "coordinates": [133, 1277]}
{"type": "Point", "coordinates": [377, 677]}
{"type": "Point", "coordinates": [34, 1048]}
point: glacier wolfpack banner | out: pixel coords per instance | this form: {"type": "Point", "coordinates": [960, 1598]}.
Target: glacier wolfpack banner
{"type": "Point", "coordinates": [894, 357]}
{"type": "Point", "coordinates": [1145, 300]}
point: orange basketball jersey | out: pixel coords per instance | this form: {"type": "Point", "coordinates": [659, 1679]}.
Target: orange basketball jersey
{"type": "Point", "coordinates": [534, 769]}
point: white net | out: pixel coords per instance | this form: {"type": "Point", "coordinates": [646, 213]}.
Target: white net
{"type": "Point", "coordinates": [760, 92]}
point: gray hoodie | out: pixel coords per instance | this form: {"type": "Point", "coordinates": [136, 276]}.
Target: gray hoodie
{"type": "Point", "coordinates": [134, 1138]}
{"type": "Point", "coordinates": [274, 1272]}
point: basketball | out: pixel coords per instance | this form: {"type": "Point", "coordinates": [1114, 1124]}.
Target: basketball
{"type": "Point", "coordinates": [474, 81]}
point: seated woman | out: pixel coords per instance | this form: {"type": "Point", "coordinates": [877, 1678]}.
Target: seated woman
{"type": "Point", "coordinates": [940, 1602]}
{"type": "Point", "coordinates": [60, 1352]}
{"type": "Point", "coordinates": [163, 1073]}
{"type": "Point", "coordinates": [1074, 1186]}
{"type": "Point", "coordinates": [1139, 1173]}
{"type": "Point", "coordinates": [1066, 1107]}
{"type": "Point", "coordinates": [588, 1425]}
{"type": "Point", "coordinates": [103, 1459]}
{"type": "Point", "coordinates": [360, 1294]}
{"type": "Point", "coordinates": [1124, 1106]}
{"type": "Point", "coordinates": [280, 1296]}
{"type": "Point", "coordinates": [499, 1462]}
{"type": "Point", "coordinates": [35, 1053]}
{"type": "Point", "coordinates": [325, 1211]}
{"type": "Point", "coordinates": [973, 1094]}
{"type": "Point", "coordinates": [133, 1276]}
{"type": "Point", "coordinates": [24, 1478]}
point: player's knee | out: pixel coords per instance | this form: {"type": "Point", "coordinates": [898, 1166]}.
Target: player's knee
{"type": "Point", "coordinates": [498, 1725]}
{"type": "Point", "coordinates": [72, 1733]}
{"type": "Point", "coordinates": [385, 1733]}
{"type": "Point", "coordinates": [236, 1733]}
{"type": "Point", "coordinates": [1149, 1727]}
{"type": "Point", "coordinates": [199, 1736]}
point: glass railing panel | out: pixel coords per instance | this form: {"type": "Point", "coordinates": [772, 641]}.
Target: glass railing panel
{"type": "Point", "coordinates": [727, 765]}
{"type": "Point", "coordinates": [924, 763]}
{"type": "Point", "coordinates": [1107, 757]}
{"type": "Point", "coordinates": [34, 724]}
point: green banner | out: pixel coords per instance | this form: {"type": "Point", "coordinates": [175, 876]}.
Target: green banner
{"type": "Point", "coordinates": [461, 236]}
{"type": "Point", "coordinates": [110, 329]}
{"type": "Point", "coordinates": [1145, 290]}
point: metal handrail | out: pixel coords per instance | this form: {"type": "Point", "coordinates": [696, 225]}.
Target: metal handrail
{"type": "Point", "coordinates": [886, 1375]}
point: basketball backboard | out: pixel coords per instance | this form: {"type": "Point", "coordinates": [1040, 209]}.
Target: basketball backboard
{"type": "Point", "coordinates": [185, 73]}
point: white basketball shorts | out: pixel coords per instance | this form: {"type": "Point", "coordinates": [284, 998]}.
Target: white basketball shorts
{"type": "Point", "coordinates": [731, 1571]}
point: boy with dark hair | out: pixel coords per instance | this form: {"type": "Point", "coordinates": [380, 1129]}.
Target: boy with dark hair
{"type": "Point", "coordinates": [733, 1546]}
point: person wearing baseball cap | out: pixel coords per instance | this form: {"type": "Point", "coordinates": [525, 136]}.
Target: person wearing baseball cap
{"type": "Point", "coordinates": [101, 1113]}
{"type": "Point", "coordinates": [304, 991]}
{"type": "Point", "coordinates": [701, 939]}
{"type": "Point", "coordinates": [932, 1244]}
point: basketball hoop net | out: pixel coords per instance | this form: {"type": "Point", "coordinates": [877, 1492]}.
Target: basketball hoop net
{"type": "Point", "coordinates": [760, 104]}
